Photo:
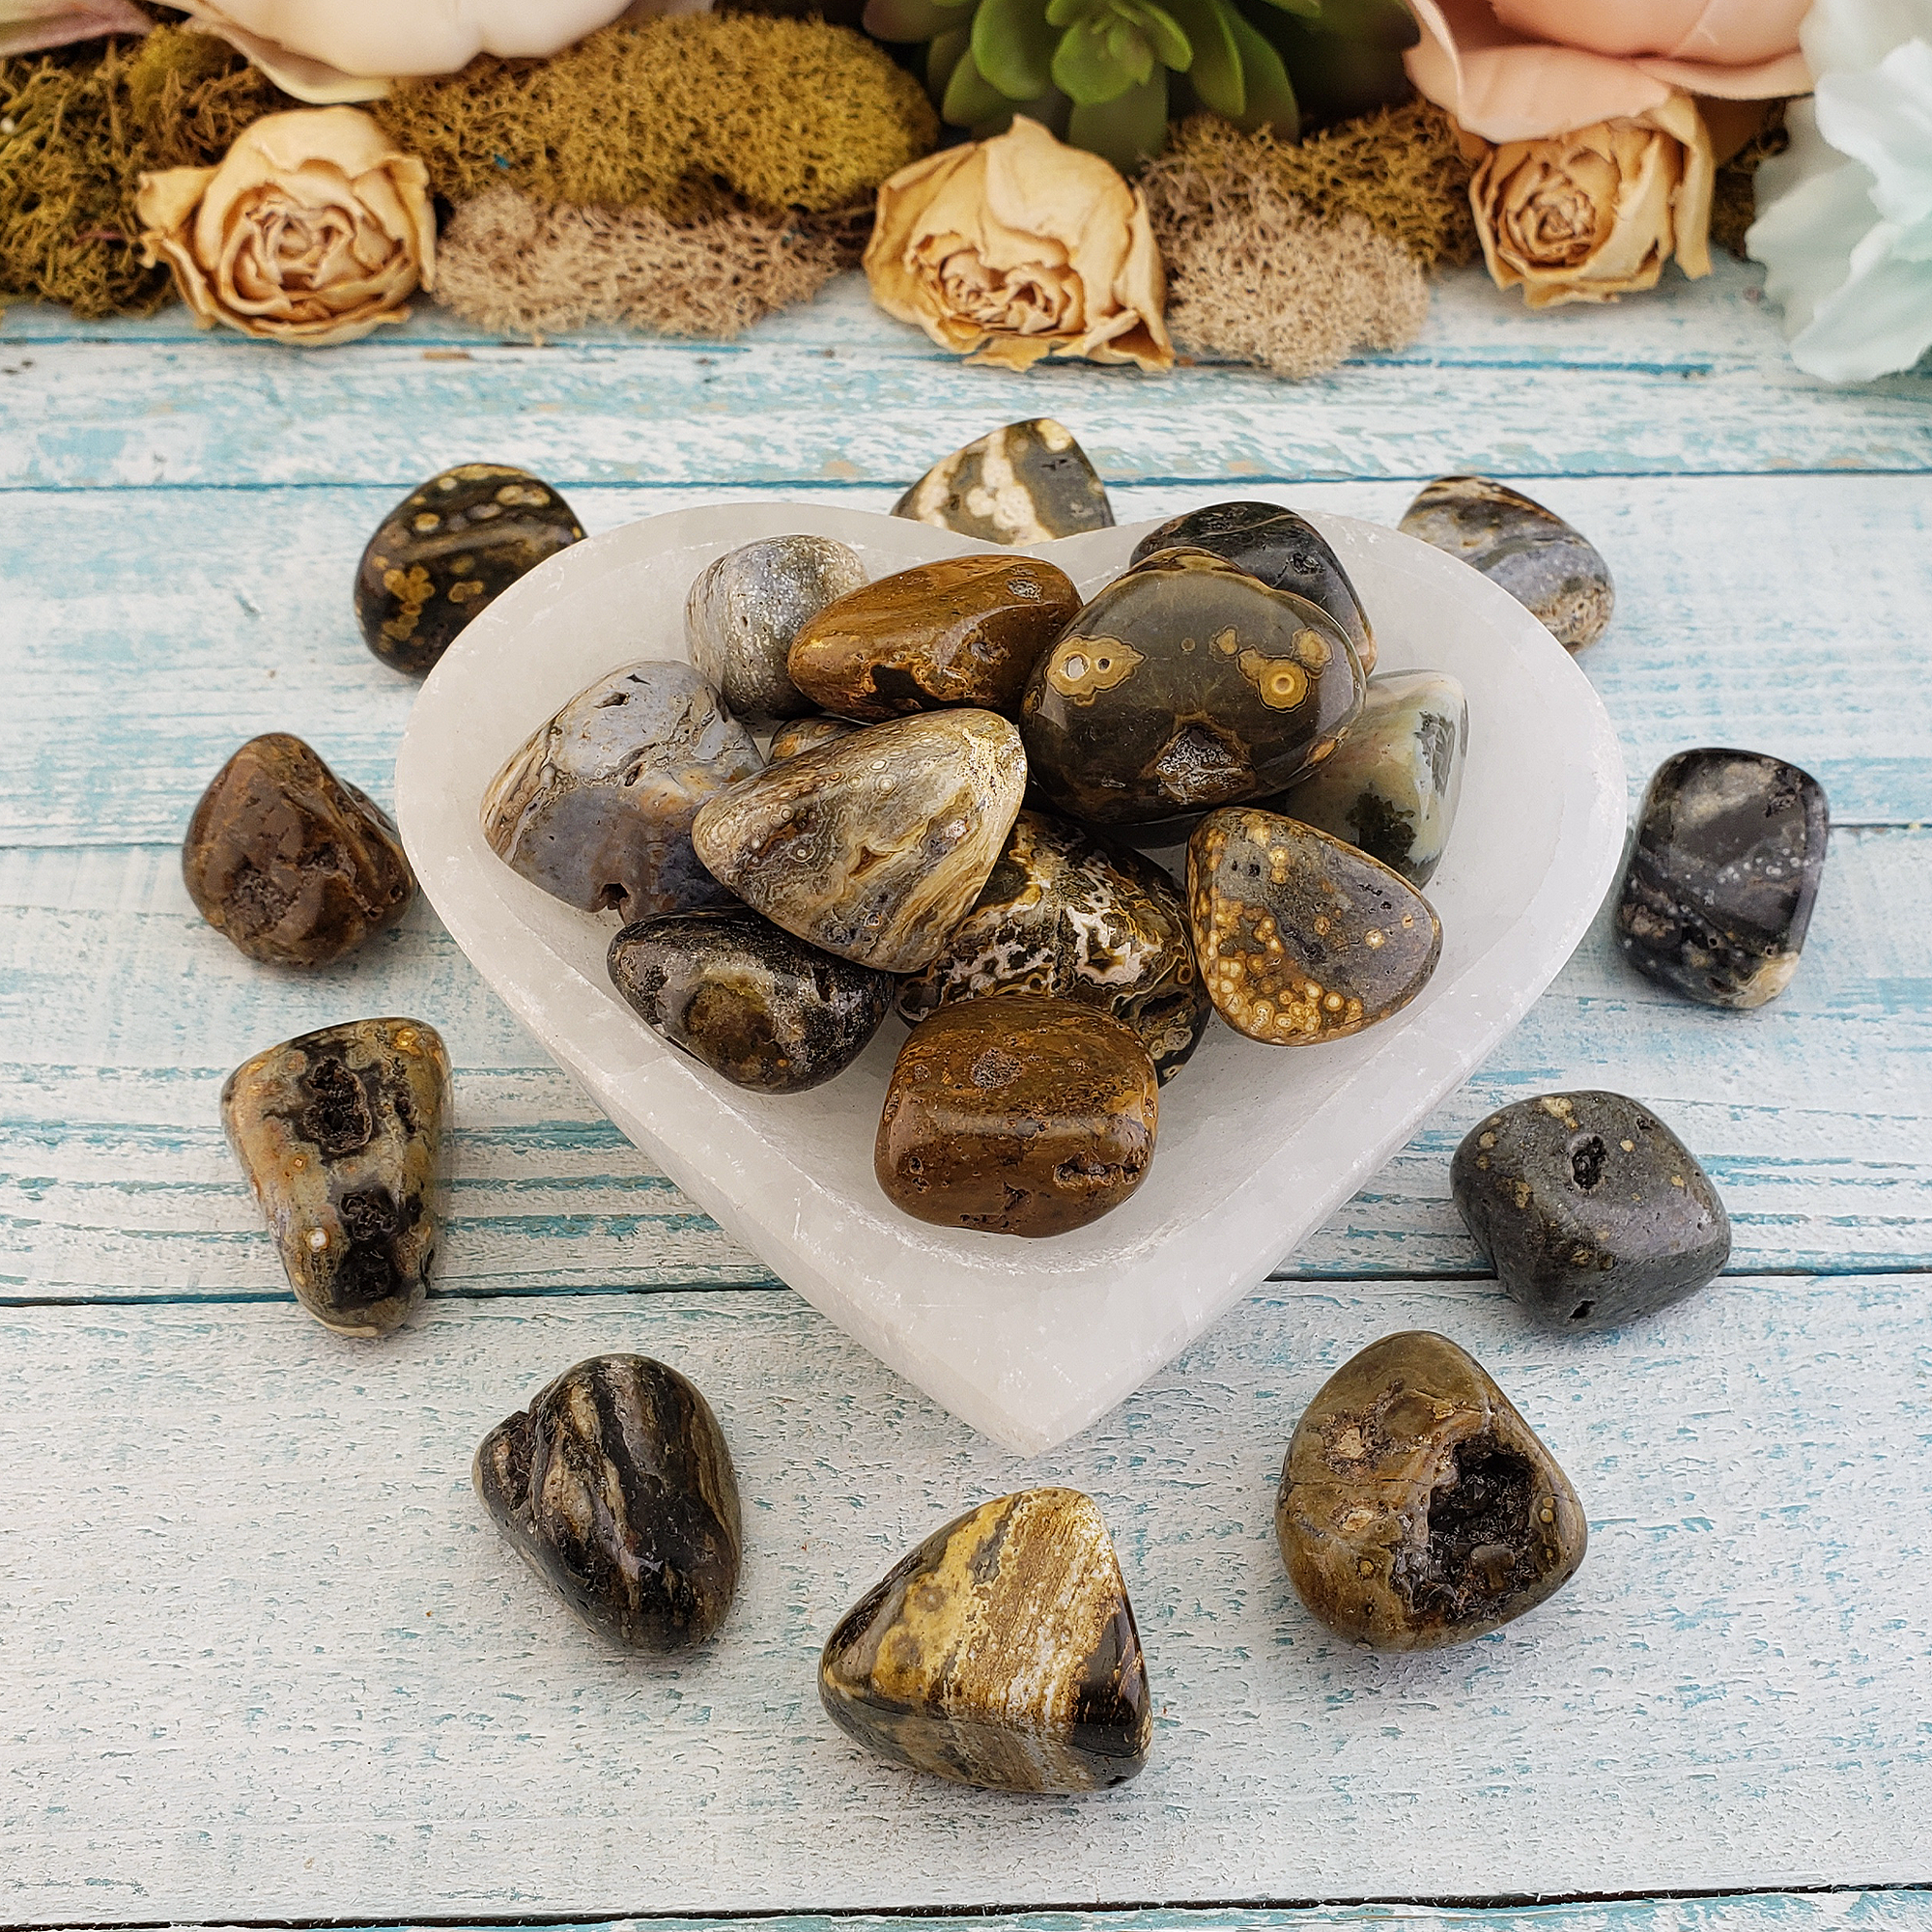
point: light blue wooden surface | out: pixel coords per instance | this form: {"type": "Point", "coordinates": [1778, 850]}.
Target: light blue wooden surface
{"type": "Point", "coordinates": [258, 1654]}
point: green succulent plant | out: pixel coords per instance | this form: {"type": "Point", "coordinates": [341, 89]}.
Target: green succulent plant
{"type": "Point", "coordinates": [1108, 74]}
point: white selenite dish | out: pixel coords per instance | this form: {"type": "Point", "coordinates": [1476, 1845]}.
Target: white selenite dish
{"type": "Point", "coordinates": [1029, 1341]}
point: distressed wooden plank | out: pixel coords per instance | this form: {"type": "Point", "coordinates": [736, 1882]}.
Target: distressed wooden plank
{"type": "Point", "coordinates": [1585, 395]}
{"type": "Point", "coordinates": [245, 625]}
{"type": "Point", "coordinates": [322, 1688]}
{"type": "Point", "coordinates": [114, 1179]}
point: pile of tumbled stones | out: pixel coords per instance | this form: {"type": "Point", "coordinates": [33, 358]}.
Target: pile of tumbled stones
{"type": "Point", "coordinates": [936, 824]}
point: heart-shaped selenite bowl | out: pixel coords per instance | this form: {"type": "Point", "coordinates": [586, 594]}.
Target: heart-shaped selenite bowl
{"type": "Point", "coordinates": [1027, 1340]}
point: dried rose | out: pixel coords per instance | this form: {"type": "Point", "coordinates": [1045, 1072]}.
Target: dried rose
{"type": "Point", "coordinates": [313, 229]}
{"type": "Point", "coordinates": [27, 25]}
{"type": "Point", "coordinates": [1595, 215]}
{"type": "Point", "coordinates": [1019, 247]}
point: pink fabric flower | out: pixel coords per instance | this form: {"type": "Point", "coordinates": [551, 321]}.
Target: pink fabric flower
{"type": "Point", "coordinates": [1521, 70]}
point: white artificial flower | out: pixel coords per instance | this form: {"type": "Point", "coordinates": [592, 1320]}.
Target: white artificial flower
{"type": "Point", "coordinates": [1845, 221]}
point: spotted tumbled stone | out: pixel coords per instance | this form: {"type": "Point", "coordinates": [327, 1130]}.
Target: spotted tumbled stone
{"type": "Point", "coordinates": [447, 551]}
{"type": "Point", "coordinates": [1001, 1651]}
{"type": "Point", "coordinates": [1021, 484]}
{"type": "Point", "coordinates": [340, 1133]}
{"type": "Point", "coordinates": [615, 1486]}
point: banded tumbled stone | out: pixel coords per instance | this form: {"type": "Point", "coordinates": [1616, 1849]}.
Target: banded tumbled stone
{"type": "Point", "coordinates": [1417, 1509]}
{"type": "Point", "coordinates": [616, 1486]}
{"type": "Point", "coordinates": [596, 805]}
{"type": "Point", "coordinates": [874, 845]}
{"type": "Point", "coordinates": [1300, 937]}
{"type": "Point", "coordinates": [807, 734]}
{"type": "Point", "coordinates": [288, 864]}
{"type": "Point", "coordinates": [745, 608]}
{"type": "Point", "coordinates": [1723, 872]}
{"type": "Point", "coordinates": [447, 551]}
{"type": "Point", "coordinates": [1001, 1653]}
{"type": "Point", "coordinates": [340, 1134]}
{"type": "Point", "coordinates": [1184, 685]}
{"type": "Point", "coordinates": [1021, 484]}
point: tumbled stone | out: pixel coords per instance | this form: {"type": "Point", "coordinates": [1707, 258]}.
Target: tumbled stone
{"type": "Point", "coordinates": [449, 550]}
{"type": "Point", "coordinates": [1019, 1115]}
{"type": "Point", "coordinates": [1589, 1209]}
{"type": "Point", "coordinates": [1417, 1509]}
{"type": "Point", "coordinates": [744, 609]}
{"type": "Point", "coordinates": [1723, 875]}
{"type": "Point", "coordinates": [596, 805]}
{"type": "Point", "coordinates": [1001, 1653]}
{"type": "Point", "coordinates": [340, 1134]}
{"type": "Point", "coordinates": [807, 734]}
{"type": "Point", "coordinates": [966, 630]}
{"type": "Point", "coordinates": [288, 864]}
{"type": "Point", "coordinates": [1300, 937]}
{"type": "Point", "coordinates": [1184, 685]}
{"type": "Point", "coordinates": [748, 1000]}
{"type": "Point", "coordinates": [1067, 912]}
{"type": "Point", "coordinates": [872, 846]}
{"type": "Point", "coordinates": [1550, 569]}
{"type": "Point", "coordinates": [615, 1486]}
{"type": "Point", "coordinates": [1282, 549]}
{"type": "Point", "coordinates": [1393, 785]}
{"type": "Point", "coordinates": [1021, 484]}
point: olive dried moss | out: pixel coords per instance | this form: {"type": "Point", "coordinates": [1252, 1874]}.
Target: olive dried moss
{"type": "Point", "coordinates": [692, 116]}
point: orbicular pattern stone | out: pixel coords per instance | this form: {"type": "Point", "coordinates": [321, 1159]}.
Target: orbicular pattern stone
{"type": "Point", "coordinates": [1001, 1653]}
{"type": "Point", "coordinates": [446, 550]}
{"type": "Point", "coordinates": [287, 862]}
{"type": "Point", "coordinates": [1282, 549]}
{"type": "Point", "coordinates": [872, 846]}
{"type": "Point", "coordinates": [1723, 873]}
{"type": "Point", "coordinates": [1020, 1114]}
{"type": "Point", "coordinates": [615, 1486]}
{"type": "Point", "coordinates": [1300, 937]}
{"type": "Point", "coordinates": [1066, 912]}
{"type": "Point", "coordinates": [965, 630]}
{"type": "Point", "coordinates": [744, 609]}
{"type": "Point", "coordinates": [340, 1134]}
{"type": "Point", "coordinates": [1183, 685]}
{"type": "Point", "coordinates": [807, 734]}
{"type": "Point", "coordinates": [1550, 569]}
{"type": "Point", "coordinates": [1590, 1209]}
{"type": "Point", "coordinates": [1394, 782]}
{"type": "Point", "coordinates": [596, 805]}
{"type": "Point", "coordinates": [753, 1003]}
{"type": "Point", "coordinates": [1021, 484]}
{"type": "Point", "coordinates": [1417, 1509]}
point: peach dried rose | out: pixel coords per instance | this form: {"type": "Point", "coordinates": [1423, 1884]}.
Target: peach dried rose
{"type": "Point", "coordinates": [1019, 247]}
{"type": "Point", "coordinates": [312, 230]}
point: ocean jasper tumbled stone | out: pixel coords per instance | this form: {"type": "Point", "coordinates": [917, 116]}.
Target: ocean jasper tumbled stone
{"type": "Point", "coordinates": [597, 804]}
{"type": "Point", "coordinates": [616, 1488]}
{"type": "Point", "coordinates": [1417, 1509]}
{"type": "Point", "coordinates": [1001, 1653]}
{"type": "Point", "coordinates": [753, 1003]}
{"type": "Point", "coordinates": [1590, 1209]}
{"type": "Point", "coordinates": [1066, 912]}
{"type": "Point", "coordinates": [288, 864]}
{"type": "Point", "coordinates": [340, 1134]}
{"type": "Point", "coordinates": [966, 630]}
{"type": "Point", "coordinates": [807, 734]}
{"type": "Point", "coordinates": [1021, 484]}
{"type": "Point", "coordinates": [1282, 549]}
{"type": "Point", "coordinates": [1020, 1114]}
{"type": "Point", "coordinates": [1550, 569]}
{"type": "Point", "coordinates": [745, 609]}
{"type": "Point", "coordinates": [1394, 782]}
{"type": "Point", "coordinates": [1300, 937]}
{"type": "Point", "coordinates": [1723, 873]}
{"type": "Point", "coordinates": [446, 550]}
{"type": "Point", "coordinates": [874, 845]}
{"type": "Point", "coordinates": [1183, 685]}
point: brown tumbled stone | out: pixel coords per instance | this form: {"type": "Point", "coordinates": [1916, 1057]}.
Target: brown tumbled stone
{"type": "Point", "coordinates": [966, 630]}
{"type": "Point", "coordinates": [1021, 1115]}
{"type": "Point", "coordinates": [1417, 1508]}
{"type": "Point", "coordinates": [287, 862]}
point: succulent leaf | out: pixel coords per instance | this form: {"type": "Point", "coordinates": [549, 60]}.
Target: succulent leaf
{"type": "Point", "coordinates": [942, 54]}
{"type": "Point", "coordinates": [1164, 35]}
{"type": "Point", "coordinates": [1270, 94]}
{"type": "Point", "coordinates": [1335, 78]}
{"type": "Point", "coordinates": [970, 96]}
{"type": "Point", "coordinates": [1086, 69]}
{"type": "Point", "coordinates": [908, 19]}
{"type": "Point", "coordinates": [1216, 68]}
{"type": "Point", "coordinates": [1127, 130]}
{"type": "Point", "coordinates": [1013, 45]}
{"type": "Point", "coordinates": [1308, 9]}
